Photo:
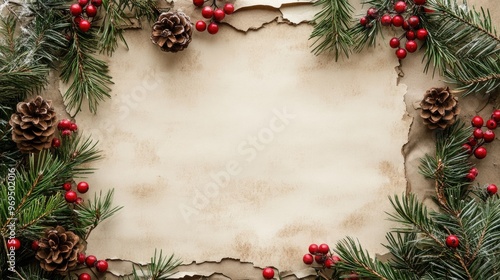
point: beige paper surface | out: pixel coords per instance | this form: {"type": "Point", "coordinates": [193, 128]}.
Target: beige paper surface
{"type": "Point", "coordinates": [247, 146]}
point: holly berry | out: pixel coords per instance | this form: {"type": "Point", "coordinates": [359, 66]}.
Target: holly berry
{"type": "Point", "coordinates": [64, 124]}
{"type": "Point", "coordinates": [452, 241]}
{"type": "Point", "coordinates": [82, 187]}
{"type": "Point", "coordinates": [84, 276]}
{"type": "Point", "coordinates": [394, 43]}
{"type": "Point", "coordinates": [467, 148]}
{"type": "Point", "coordinates": [397, 20]}
{"type": "Point", "coordinates": [213, 28]}
{"type": "Point", "coordinates": [320, 259]}
{"type": "Point", "coordinates": [207, 12]}
{"type": "Point", "coordinates": [70, 196]}
{"type": "Point", "coordinates": [313, 249]}
{"type": "Point", "coordinates": [406, 26]}
{"type": "Point", "coordinates": [363, 21]}
{"type": "Point", "coordinates": [13, 244]}
{"type": "Point", "coordinates": [474, 171]}
{"type": "Point", "coordinates": [323, 249]}
{"type": "Point", "coordinates": [472, 141]}
{"type": "Point", "coordinates": [219, 14]}
{"type": "Point", "coordinates": [201, 25]}
{"type": "Point", "coordinates": [372, 12]}
{"type": "Point", "coordinates": [478, 133]}
{"type": "Point", "coordinates": [66, 133]}
{"type": "Point", "coordinates": [385, 20]}
{"type": "Point", "coordinates": [413, 21]}
{"type": "Point", "coordinates": [84, 26]}
{"type": "Point", "coordinates": [401, 53]}
{"type": "Point", "coordinates": [268, 273]}
{"type": "Point", "coordinates": [336, 259]}
{"type": "Point", "coordinates": [489, 136]}
{"type": "Point", "coordinates": [496, 115]}
{"type": "Point", "coordinates": [477, 121]}
{"type": "Point", "coordinates": [73, 126]}
{"type": "Point", "coordinates": [308, 259]}
{"type": "Point", "coordinates": [96, 3]}
{"type": "Point", "coordinates": [228, 8]}
{"type": "Point", "coordinates": [400, 7]}
{"type": "Point", "coordinates": [56, 142]}
{"type": "Point", "coordinates": [470, 176]}
{"type": "Point", "coordinates": [83, 3]}
{"type": "Point", "coordinates": [410, 35]}
{"type": "Point", "coordinates": [35, 245]}
{"type": "Point", "coordinates": [77, 20]}
{"type": "Point", "coordinates": [75, 9]}
{"type": "Point", "coordinates": [480, 153]}
{"type": "Point", "coordinates": [422, 34]}
{"type": "Point", "coordinates": [198, 3]}
{"type": "Point", "coordinates": [492, 189]}
{"type": "Point", "coordinates": [102, 266]}
{"type": "Point", "coordinates": [91, 10]}
{"type": "Point", "coordinates": [491, 124]}
{"type": "Point", "coordinates": [328, 263]}
{"type": "Point", "coordinates": [80, 258]}
{"type": "Point", "coordinates": [79, 200]}
{"type": "Point", "coordinates": [419, 2]}
{"type": "Point", "coordinates": [67, 186]}
{"type": "Point", "coordinates": [90, 260]}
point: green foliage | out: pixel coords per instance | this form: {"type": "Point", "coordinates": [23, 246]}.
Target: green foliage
{"type": "Point", "coordinates": [160, 267]}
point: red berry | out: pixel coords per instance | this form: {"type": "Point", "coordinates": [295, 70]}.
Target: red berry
{"type": "Point", "coordinates": [213, 28]}
{"type": "Point", "coordinates": [82, 187]}
{"type": "Point", "coordinates": [64, 123]}
{"type": "Point", "coordinates": [401, 53]}
{"type": "Point", "coordinates": [496, 115]}
{"type": "Point", "coordinates": [96, 3]}
{"type": "Point", "coordinates": [410, 35]}
{"type": "Point", "coordinates": [70, 196]}
{"type": "Point", "coordinates": [77, 20]}
{"type": "Point", "coordinates": [91, 10]}
{"type": "Point", "coordinates": [422, 34]}
{"type": "Point", "coordinates": [35, 245]}
{"type": "Point", "coordinates": [452, 241]}
{"type": "Point", "coordinates": [319, 259]}
{"type": "Point", "coordinates": [419, 2]}
{"type": "Point", "coordinates": [102, 266]}
{"type": "Point", "coordinates": [73, 127]}
{"type": "Point", "coordinates": [472, 141]}
{"type": "Point", "coordinates": [328, 263]}
{"type": "Point", "coordinates": [323, 249]}
{"type": "Point", "coordinates": [75, 10]}
{"type": "Point", "coordinates": [83, 3]}
{"type": "Point", "coordinates": [336, 259]}
{"type": "Point", "coordinates": [201, 25]}
{"type": "Point", "coordinates": [308, 259]}
{"type": "Point", "coordinates": [67, 186]}
{"type": "Point", "coordinates": [90, 260]}
{"type": "Point", "coordinates": [363, 21]}
{"type": "Point", "coordinates": [198, 3]}
{"type": "Point", "coordinates": [398, 20]}
{"type": "Point", "coordinates": [413, 21]}
{"type": "Point", "coordinates": [470, 176]}
{"type": "Point", "coordinates": [84, 25]}
{"type": "Point", "coordinates": [474, 171]}
{"type": "Point", "coordinates": [394, 43]}
{"type": "Point", "coordinates": [480, 152]}
{"type": "Point", "coordinates": [372, 12]}
{"type": "Point", "coordinates": [219, 14]}
{"type": "Point", "coordinates": [477, 121]}
{"type": "Point", "coordinates": [313, 249]}
{"type": "Point", "coordinates": [228, 8]}
{"type": "Point", "coordinates": [66, 133]}
{"type": "Point", "coordinates": [489, 136]}
{"type": "Point", "coordinates": [385, 20]}
{"type": "Point", "coordinates": [478, 133]}
{"type": "Point", "coordinates": [56, 143]}
{"type": "Point", "coordinates": [467, 148]}
{"type": "Point", "coordinates": [79, 201]}
{"type": "Point", "coordinates": [492, 189]}
{"type": "Point", "coordinates": [406, 26]}
{"type": "Point", "coordinates": [207, 12]}
{"type": "Point", "coordinates": [268, 273]}
{"type": "Point", "coordinates": [400, 7]}
{"type": "Point", "coordinates": [491, 124]}
{"type": "Point", "coordinates": [84, 276]}
{"type": "Point", "coordinates": [13, 244]}
{"type": "Point", "coordinates": [80, 258]}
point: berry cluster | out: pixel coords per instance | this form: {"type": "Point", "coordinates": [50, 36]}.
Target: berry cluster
{"type": "Point", "coordinates": [91, 261]}
{"type": "Point", "coordinates": [71, 196]}
{"type": "Point", "coordinates": [399, 17]}
{"type": "Point", "coordinates": [84, 12]}
{"type": "Point", "coordinates": [321, 254]}
{"type": "Point", "coordinates": [67, 128]}
{"type": "Point", "coordinates": [214, 14]}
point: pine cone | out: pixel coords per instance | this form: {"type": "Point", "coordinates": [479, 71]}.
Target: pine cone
{"type": "Point", "coordinates": [439, 108]}
{"type": "Point", "coordinates": [58, 250]}
{"type": "Point", "coordinates": [172, 31]}
{"type": "Point", "coordinates": [33, 125]}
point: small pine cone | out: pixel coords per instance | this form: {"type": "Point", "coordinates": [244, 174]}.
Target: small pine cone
{"type": "Point", "coordinates": [58, 250]}
{"type": "Point", "coordinates": [439, 108]}
{"type": "Point", "coordinates": [172, 31]}
{"type": "Point", "coordinates": [33, 125]}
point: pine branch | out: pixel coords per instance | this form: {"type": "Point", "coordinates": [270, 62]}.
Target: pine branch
{"type": "Point", "coordinates": [77, 152]}
{"type": "Point", "coordinates": [406, 254]}
{"type": "Point", "coordinates": [472, 75]}
{"type": "Point", "coordinates": [332, 28]}
{"type": "Point", "coordinates": [160, 267]}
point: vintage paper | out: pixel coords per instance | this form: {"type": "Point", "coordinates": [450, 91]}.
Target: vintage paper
{"type": "Point", "coordinates": [247, 146]}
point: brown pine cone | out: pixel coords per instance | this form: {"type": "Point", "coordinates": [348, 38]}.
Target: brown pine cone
{"type": "Point", "coordinates": [172, 31]}
{"type": "Point", "coordinates": [33, 125]}
{"type": "Point", "coordinates": [439, 108]}
{"type": "Point", "coordinates": [58, 250]}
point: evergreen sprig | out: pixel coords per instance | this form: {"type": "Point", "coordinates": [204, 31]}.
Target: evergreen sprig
{"type": "Point", "coordinates": [160, 267]}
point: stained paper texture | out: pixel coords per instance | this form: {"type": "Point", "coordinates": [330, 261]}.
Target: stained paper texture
{"type": "Point", "coordinates": [247, 146]}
